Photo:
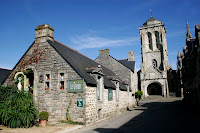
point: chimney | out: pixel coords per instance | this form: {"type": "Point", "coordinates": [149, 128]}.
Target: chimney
{"type": "Point", "coordinates": [104, 52]}
{"type": "Point", "coordinates": [43, 33]}
{"type": "Point", "coordinates": [131, 56]}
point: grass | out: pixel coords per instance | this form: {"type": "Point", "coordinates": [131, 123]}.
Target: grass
{"type": "Point", "coordinates": [72, 122]}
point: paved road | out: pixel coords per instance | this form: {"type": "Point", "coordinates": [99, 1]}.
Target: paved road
{"type": "Point", "coordinates": [154, 115]}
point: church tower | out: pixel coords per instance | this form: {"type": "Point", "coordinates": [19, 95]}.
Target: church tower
{"type": "Point", "coordinates": [154, 64]}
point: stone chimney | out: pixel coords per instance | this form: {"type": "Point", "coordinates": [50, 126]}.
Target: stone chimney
{"type": "Point", "coordinates": [44, 33]}
{"type": "Point", "coordinates": [131, 56]}
{"type": "Point", "coordinates": [104, 52]}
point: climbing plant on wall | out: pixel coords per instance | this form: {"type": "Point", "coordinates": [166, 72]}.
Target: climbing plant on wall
{"type": "Point", "coordinates": [36, 55]}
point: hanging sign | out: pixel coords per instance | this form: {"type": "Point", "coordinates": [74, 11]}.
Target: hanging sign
{"type": "Point", "coordinates": [75, 85]}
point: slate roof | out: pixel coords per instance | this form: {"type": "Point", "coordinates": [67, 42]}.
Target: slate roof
{"type": "Point", "coordinates": [151, 19]}
{"type": "Point", "coordinates": [3, 74]}
{"type": "Point", "coordinates": [80, 62]}
{"type": "Point", "coordinates": [128, 64]}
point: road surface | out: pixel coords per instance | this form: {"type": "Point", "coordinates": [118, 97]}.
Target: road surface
{"type": "Point", "coordinates": [154, 115]}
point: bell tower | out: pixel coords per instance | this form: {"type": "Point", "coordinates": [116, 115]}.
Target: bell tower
{"type": "Point", "coordinates": [154, 64]}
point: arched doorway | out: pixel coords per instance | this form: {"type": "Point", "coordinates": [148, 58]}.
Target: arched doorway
{"type": "Point", "coordinates": [154, 89]}
{"type": "Point", "coordinates": [30, 82]}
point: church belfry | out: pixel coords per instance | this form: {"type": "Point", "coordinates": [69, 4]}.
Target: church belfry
{"type": "Point", "coordinates": [154, 64]}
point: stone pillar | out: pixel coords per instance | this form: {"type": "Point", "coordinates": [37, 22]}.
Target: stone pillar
{"type": "Point", "coordinates": [43, 32]}
{"type": "Point", "coordinates": [153, 41]}
{"type": "Point", "coordinates": [104, 52]}
{"type": "Point", "coordinates": [131, 56]}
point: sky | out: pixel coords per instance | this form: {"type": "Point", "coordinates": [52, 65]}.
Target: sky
{"type": "Point", "coordinates": [90, 25]}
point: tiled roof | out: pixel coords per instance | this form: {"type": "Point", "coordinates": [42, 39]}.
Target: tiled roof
{"type": "Point", "coordinates": [80, 62]}
{"type": "Point", "coordinates": [128, 64]}
{"type": "Point", "coordinates": [3, 74]}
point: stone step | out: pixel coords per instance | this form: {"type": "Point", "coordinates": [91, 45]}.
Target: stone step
{"type": "Point", "coordinates": [53, 122]}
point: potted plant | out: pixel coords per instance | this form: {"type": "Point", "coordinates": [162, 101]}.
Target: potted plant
{"type": "Point", "coordinates": [62, 87]}
{"type": "Point", "coordinates": [138, 95]}
{"type": "Point", "coordinates": [43, 117]}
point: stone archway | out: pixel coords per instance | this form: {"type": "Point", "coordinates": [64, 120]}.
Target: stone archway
{"type": "Point", "coordinates": [154, 89]}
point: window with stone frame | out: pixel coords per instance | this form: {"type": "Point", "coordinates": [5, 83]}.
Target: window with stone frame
{"type": "Point", "coordinates": [47, 81]}
{"type": "Point", "coordinates": [161, 40]}
{"type": "Point", "coordinates": [154, 62]}
{"type": "Point", "coordinates": [110, 94]}
{"type": "Point", "coordinates": [157, 39]}
{"type": "Point", "coordinates": [99, 88]}
{"type": "Point", "coordinates": [62, 81]}
{"type": "Point", "coordinates": [150, 41]}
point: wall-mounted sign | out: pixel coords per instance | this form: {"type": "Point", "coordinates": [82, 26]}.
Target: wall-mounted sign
{"type": "Point", "coordinates": [75, 85]}
{"type": "Point", "coordinates": [79, 102]}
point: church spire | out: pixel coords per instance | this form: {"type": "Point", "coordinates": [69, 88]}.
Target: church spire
{"type": "Point", "coordinates": [188, 34]}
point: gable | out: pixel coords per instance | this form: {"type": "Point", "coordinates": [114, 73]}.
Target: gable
{"type": "Point", "coordinates": [152, 73]}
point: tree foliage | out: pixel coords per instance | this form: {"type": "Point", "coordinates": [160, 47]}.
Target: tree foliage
{"type": "Point", "coordinates": [138, 94]}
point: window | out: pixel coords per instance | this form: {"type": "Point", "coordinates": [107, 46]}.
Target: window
{"type": "Point", "coordinates": [47, 82]}
{"type": "Point", "coordinates": [157, 38]}
{"type": "Point", "coordinates": [161, 37]}
{"type": "Point", "coordinates": [150, 41]}
{"type": "Point", "coordinates": [62, 76]}
{"type": "Point", "coordinates": [110, 94]}
{"type": "Point", "coordinates": [47, 77]}
{"type": "Point", "coordinates": [62, 81]}
{"type": "Point", "coordinates": [155, 63]}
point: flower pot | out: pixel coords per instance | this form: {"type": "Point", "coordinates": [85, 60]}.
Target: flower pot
{"type": "Point", "coordinates": [43, 122]}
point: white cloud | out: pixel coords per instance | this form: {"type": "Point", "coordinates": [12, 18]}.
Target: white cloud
{"type": "Point", "coordinates": [91, 41]}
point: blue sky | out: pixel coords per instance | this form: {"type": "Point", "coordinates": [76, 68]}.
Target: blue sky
{"type": "Point", "coordinates": [90, 25]}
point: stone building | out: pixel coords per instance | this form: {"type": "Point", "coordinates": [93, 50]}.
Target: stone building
{"type": "Point", "coordinates": [125, 69]}
{"type": "Point", "coordinates": [61, 79]}
{"type": "Point", "coordinates": [188, 68]}
{"type": "Point", "coordinates": [154, 64]}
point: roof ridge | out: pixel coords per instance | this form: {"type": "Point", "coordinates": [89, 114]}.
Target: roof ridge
{"type": "Point", "coordinates": [122, 59]}
{"type": "Point", "coordinates": [119, 62]}
{"type": "Point", "coordinates": [5, 69]}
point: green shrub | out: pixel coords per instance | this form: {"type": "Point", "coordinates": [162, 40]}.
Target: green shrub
{"type": "Point", "coordinates": [138, 94]}
{"type": "Point", "coordinates": [16, 108]}
{"type": "Point", "coordinates": [44, 115]}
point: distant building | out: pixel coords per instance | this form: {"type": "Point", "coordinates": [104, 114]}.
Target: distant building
{"type": "Point", "coordinates": [3, 74]}
{"type": "Point", "coordinates": [61, 79]}
{"type": "Point", "coordinates": [125, 69]}
{"type": "Point", "coordinates": [154, 66]}
{"type": "Point", "coordinates": [188, 68]}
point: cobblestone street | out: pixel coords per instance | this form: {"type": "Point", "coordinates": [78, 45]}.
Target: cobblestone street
{"type": "Point", "coordinates": [155, 115]}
